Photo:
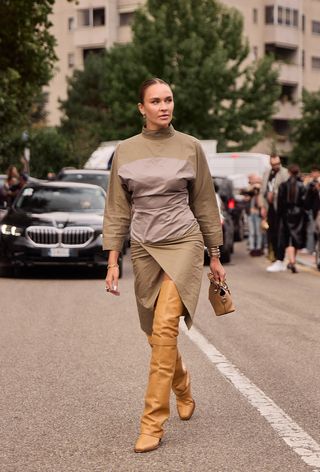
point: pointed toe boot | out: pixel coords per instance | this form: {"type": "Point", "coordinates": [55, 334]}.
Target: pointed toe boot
{"type": "Point", "coordinates": [146, 443]}
{"type": "Point", "coordinates": [165, 330]}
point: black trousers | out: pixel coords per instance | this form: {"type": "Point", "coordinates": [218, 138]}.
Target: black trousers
{"type": "Point", "coordinates": [273, 232]}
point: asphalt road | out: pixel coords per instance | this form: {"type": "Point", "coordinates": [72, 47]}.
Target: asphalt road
{"type": "Point", "coordinates": [74, 369]}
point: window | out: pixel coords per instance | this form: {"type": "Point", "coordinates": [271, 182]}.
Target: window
{"type": "Point", "coordinates": [70, 23]}
{"type": "Point", "coordinates": [280, 18]}
{"type": "Point", "coordinates": [91, 17]}
{"type": "Point", "coordinates": [87, 52]}
{"type": "Point", "coordinates": [84, 17]}
{"type": "Point", "coordinates": [70, 60]}
{"type": "Point", "coordinates": [255, 52]}
{"type": "Point", "coordinates": [288, 16]}
{"type": "Point", "coordinates": [126, 19]}
{"type": "Point", "coordinates": [315, 62]}
{"type": "Point", "coordinates": [255, 15]}
{"type": "Point", "coordinates": [295, 18]}
{"type": "Point", "coordinates": [316, 27]}
{"type": "Point", "coordinates": [303, 22]}
{"type": "Point", "coordinates": [269, 15]}
{"type": "Point", "coordinates": [98, 17]}
{"type": "Point", "coordinates": [303, 58]}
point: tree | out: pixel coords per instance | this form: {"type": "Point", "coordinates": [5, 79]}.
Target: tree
{"type": "Point", "coordinates": [198, 47]}
{"type": "Point", "coordinates": [49, 152]}
{"type": "Point", "coordinates": [306, 132]}
{"type": "Point", "coordinates": [26, 62]}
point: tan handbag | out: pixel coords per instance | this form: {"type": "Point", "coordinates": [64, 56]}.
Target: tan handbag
{"type": "Point", "coordinates": [220, 297]}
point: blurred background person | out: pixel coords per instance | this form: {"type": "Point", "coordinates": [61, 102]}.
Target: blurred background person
{"type": "Point", "coordinates": [312, 203]}
{"type": "Point", "coordinates": [272, 179]}
{"type": "Point", "coordinates": [311, 182]}
{"type": "Point", "coordinates": [292, 217]}
{"type": "Point", "coordinates": [255, 205]}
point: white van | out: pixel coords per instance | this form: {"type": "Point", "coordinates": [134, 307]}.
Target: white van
{"type": "Point", "coordinates": [100, 158]}
{"type": "Point", "coordinates": [240, 164]}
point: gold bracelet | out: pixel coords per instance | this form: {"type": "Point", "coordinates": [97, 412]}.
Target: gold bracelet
{"type": "Point", "coordinates": [110, 266]}
{"type": "Point", "coordinates": [214, 252]}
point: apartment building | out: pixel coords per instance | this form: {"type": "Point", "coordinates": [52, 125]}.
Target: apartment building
{"type": "Point", "coordinates": [290, 29]}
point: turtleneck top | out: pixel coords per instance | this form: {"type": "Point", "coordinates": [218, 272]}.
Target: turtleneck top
{"type": "Point", "coordinates": [160, 187]}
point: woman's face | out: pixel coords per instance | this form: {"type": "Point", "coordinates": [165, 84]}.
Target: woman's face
{"type": "Point", "coordinates": [158, 106]}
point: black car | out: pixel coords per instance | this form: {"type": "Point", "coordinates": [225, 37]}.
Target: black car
{"type": "Point", "coordinates": [88, 176]}
{"type": "Point", "coordinates": [234, 204]}
{"type": "Point", "coordinates": [228, 233]}
{"type": "Point", "coordinates": [54, 223]}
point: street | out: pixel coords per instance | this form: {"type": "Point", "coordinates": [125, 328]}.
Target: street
{"type": "Point", "coordinates": [74, 366]}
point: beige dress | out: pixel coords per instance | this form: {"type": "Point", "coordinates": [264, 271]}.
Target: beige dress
{"type": "Point", "coordinates": [161, 189]}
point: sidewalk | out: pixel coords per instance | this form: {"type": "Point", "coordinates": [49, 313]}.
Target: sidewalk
{"type": "Point", "coordinates": [306, 259]}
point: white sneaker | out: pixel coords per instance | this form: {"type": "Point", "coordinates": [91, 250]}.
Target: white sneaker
{"type": "Point", "coordinates": [277, 266]}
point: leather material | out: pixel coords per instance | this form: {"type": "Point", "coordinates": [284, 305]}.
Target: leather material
{"type": "Point", "coordinates": [146, 443]}
{"type": "Point", "coordinates": [165, 330]}
{"type": "Point", "coordinates": [181, 386]}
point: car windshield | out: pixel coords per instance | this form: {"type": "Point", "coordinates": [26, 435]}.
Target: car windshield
{"type": "Point", "coordinates": [49, 199]}
{"type": "Point", "coordinates": [95, 179]}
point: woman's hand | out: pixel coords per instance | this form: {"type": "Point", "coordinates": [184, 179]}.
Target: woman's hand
{"type": "Point", "coordinates": [112, 281]}
{"type": "Point", "coordinates": [217, 269]}
{"type": "Point", "coordinates": [112, 278]}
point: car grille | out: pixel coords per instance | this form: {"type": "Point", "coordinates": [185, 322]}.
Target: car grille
{"type": "Point", "coordinates": [49, 236]}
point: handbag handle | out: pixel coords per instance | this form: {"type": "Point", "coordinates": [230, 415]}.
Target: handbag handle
{"type": "Point", "coordinates": [217, 283]}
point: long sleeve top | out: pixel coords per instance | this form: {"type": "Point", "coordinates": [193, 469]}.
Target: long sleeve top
{"type": "Point", "coordinates": [160, 186]}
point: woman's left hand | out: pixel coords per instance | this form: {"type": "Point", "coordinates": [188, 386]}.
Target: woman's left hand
{"type": "Point", "coordinates": [217, 269]}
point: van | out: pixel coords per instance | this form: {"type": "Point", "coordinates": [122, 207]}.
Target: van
{"type": "Point", "coordinates": [237, 164]}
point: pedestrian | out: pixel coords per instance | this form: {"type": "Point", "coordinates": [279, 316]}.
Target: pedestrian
{"type": "Point", "coordinates": [312, 203]}
{"type": "Point", "coordinates": [161, 185]}
{"type": "Point", "coordinates": [292, 217]}
{"type": "Point", "coordinates": [255, 205]}
{"type": "Point", "coordinates": [270, 187]}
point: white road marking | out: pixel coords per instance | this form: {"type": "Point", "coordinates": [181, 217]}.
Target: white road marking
{"type": "Point", "coordinates": [296, 438]}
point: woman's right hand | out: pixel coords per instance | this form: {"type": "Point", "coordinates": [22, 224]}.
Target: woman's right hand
{"type": "Point", "coordinates": [112, 281]}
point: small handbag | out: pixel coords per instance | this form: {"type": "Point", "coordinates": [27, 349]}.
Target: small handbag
{"type": "Point", "coordinates": [220, 297]}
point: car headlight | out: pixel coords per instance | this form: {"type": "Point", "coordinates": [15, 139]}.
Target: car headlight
{"type": "Point", "coordinates": [9, 230]}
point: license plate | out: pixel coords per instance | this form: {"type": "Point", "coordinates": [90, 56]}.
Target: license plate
{"type": "Point", "coordinates": [59, 252]}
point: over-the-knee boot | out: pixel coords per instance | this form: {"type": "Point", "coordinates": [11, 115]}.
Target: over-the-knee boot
{"type": "Point", "coordinates": [162, 366]}
{"type": "Point", "coordinates": [181, 386]}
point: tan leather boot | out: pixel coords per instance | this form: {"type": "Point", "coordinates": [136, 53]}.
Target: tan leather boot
{"type": "Point", "coordinates": [162, 366]}
{"type": "Point", "coordinates": [181, 386]}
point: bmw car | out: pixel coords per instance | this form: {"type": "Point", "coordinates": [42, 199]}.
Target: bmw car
{"type": "Point", "coordinates": [54, 223]}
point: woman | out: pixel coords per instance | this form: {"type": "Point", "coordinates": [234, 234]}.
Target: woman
{"type": "Point", "coordinates": [292, 216]}
{"type": "Point", "coordinates": [161, 185]}
{"type": "Point", "coordinates": [255, 206]}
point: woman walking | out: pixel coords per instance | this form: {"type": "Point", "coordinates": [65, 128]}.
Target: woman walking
{"type": "Point", "coordinates": [292, 216]}
{"type": "Point", "coordinates": [160, 187]}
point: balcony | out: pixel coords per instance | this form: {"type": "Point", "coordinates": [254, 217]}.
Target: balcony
{"type": "Point", "coordinates": [281, 36]}
{"type": "Point", "coordinates": [289, 73]}
{"type": "Point", "coordinates": [287, 111]}
{"type": "Point", "coordinates": [90, 37]}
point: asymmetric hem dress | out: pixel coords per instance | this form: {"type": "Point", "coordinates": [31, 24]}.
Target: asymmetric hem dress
{"type": "Point", "coordinates": [160, 189]}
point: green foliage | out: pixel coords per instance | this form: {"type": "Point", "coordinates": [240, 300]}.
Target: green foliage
{"type": "Point", "coordinates": [195, 45]}
{"type": "Point", "coordinates": [306, 133]}
{"type": "Point", "coordinates": [26, 63]}
{"type": "Point", "coordinates": [49, 152]}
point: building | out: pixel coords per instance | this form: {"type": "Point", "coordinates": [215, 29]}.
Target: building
{"type": "Point", "coordinates": [290, 29]}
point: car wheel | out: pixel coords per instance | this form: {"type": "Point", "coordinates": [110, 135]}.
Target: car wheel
{"type": "Point", "coordinates": [239, 230]}
{"type": "Point", "coordinates": [225, 256]}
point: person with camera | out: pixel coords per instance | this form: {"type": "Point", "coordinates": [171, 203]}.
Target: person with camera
{"type": "Point", "coordinates": [255, 205]}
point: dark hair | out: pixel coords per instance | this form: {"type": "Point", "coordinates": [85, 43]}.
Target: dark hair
{"type": "Point", "coordinates": [274, 155]}
{"type": "Point", "coordinates": [315, 167]}
{"type": "Point", "coordinates": [146, 84]}
{"type": "Point", "coordinates": [294, 169]}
